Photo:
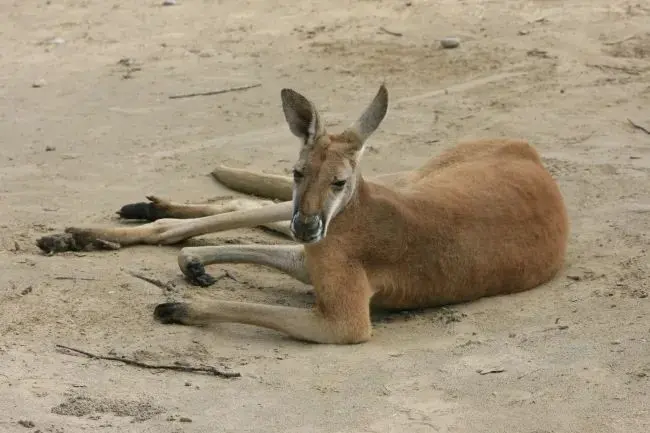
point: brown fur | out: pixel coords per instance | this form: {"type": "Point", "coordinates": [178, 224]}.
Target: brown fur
{"type": "Point", "coordinates": [483, 218]}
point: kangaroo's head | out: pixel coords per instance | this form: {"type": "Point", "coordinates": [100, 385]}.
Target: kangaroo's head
{"type": "Point", "coordinates": [326, 173]}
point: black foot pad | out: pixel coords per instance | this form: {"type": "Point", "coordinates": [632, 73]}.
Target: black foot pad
{"type": "Point", "coordinates": [142, 211]}
{"type": "Point", "coordinates": [197, 276]}
{"type": "Point", "coordinates": [58, 243]}
{"type": "Point", "coordinates": [170, 313]}
{"type": "Point", "coordinates": [73, 240]}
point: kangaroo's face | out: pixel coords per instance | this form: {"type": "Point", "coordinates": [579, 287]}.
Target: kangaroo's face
{"type": "Point", "coordinates": [325, 175]}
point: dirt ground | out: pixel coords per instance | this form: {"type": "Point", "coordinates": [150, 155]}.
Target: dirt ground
{"type": "Point", "coordinates": [87, 126]}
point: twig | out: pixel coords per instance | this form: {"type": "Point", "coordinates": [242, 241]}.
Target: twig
{"type": "Point", "coordinates": [639, 127]}
{"type": "Point", "coordinates": [485, 371]}
{"type": "Point", "coordinates": [75, 278]}
{"type": "Point", "coordinates": [227, 274]}
{"type": "Point", "coordinates": [388, 32]}
{"type": "Point", "coordinates": [155, 282]}
{"type": "Point", "coordinates": [620, 41]}
{"type": "Point", "coordinates": [605, 68]}
{"type": "Point", "coordinates": [211, 370]}
{"type": "Point", "coordinates": [216, 92]}
{"type": "Point", "coordinates": [556, 328]}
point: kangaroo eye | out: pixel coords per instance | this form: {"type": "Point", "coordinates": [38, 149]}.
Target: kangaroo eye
{"type": "Point", "coordinates": [297, 175]}
{"type": "Point", "coordinates": [339, 184]}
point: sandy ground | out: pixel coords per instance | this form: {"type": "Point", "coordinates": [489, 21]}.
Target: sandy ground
{"type": "Point", "coordinates": [96, 133]}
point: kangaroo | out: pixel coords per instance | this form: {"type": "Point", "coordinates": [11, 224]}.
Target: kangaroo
{"type": "Point", "coordinates": [481, 219]}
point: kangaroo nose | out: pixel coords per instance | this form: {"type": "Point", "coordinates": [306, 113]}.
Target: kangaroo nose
{"type": "Point", "coordinates": [310, 223]}
{"type": "Point", "coordinates": [306, 228]}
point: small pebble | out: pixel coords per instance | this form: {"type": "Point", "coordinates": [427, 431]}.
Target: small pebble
{"type": "Point", "coordinates": [38, 83]}
{"type": "Point", "coordinates": [449, 42]}
{"type": "Point", "coordinates": [169, 2]}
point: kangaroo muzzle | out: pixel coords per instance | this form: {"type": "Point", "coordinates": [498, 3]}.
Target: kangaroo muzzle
{"type": "Point", "coordinates": [307, 229]}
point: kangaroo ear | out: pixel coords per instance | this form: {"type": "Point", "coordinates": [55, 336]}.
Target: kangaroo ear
{"type": "Point", "coordinates": [301, 115]}
{"type": "Point", "coordinates": [370, 119]}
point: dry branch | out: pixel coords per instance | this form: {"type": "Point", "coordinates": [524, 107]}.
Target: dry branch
{"type": "Point", "coordinates": [209, 369]}
{"type": "Point", "coordinates": [639, 127]}
{"type": "Point", "coordinates": [388, 32]}
{"type": "Point", "coordinates": [215, 92]}
{"type": "Point", "coordinates": [75, 278]}
{"type": "Point", "coordinates": [620, 41]}
{"type": "Point", "coordinates": [155, 282]}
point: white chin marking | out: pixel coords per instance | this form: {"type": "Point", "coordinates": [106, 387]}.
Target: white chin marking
{"type": "Point", "coordinates": [311, 129]}
{"type": "Point", "coordinates": [330, 214]}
